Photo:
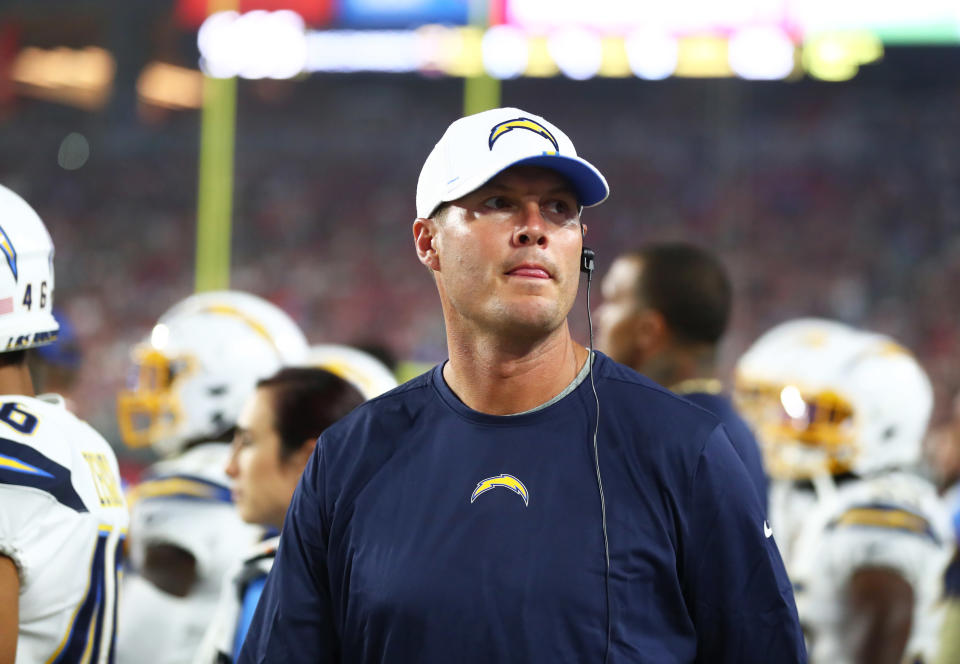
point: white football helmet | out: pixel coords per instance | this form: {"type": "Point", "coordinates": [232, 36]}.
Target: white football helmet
{"type": "Point", "coordinates": [363, 370]}
{"type": "Point", "coordinates": [825, 398]}
{"type": "Point", "coordinates": [26, 277]}
{"type": "Point", "coordinates": [202, 359]}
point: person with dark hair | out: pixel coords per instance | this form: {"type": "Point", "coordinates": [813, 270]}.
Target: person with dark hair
{"type": "Point", "coordinates": [276, 433]}
{"type": "Point", "coordinates": [665, 309]}
{"type": "Point", "coordinates": [527, 500]}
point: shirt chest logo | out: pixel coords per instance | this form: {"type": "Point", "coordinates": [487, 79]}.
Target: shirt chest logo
{"type": "Point", "coordinates": [505, 481]}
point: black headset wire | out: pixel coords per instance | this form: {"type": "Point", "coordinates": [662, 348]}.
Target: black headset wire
{"type": "Point", "coordinates": [589, 261]}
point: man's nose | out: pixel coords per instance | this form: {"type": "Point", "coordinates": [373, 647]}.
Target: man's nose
{"type": "Point", "coordinates": [532, 229]}
{"type": "Point", "coordinates": [231, 468]}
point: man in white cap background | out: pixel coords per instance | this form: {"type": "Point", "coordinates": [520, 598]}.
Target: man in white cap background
{"type": "Point", "coordinates": [527, 500]}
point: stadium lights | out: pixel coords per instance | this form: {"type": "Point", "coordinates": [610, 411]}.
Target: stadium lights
{"type": "Point", "coordinates": [762, 53]}
{"type": "Point", "coordinates": [345, 51]}
{"type": "Point", "coordinates": [703, 57]}
{"type": "Point", "coordinates": [459, 52]}
{"type": "Point", "coordinates": [615, 63]}
{"type": "Point", "coordinates": [652, 55]}
{"type": "Point", "coordinates": [78, 77]}
{"type": "Point", "coordinates": [263, 44]}
{"type": "Point", "coordinates": [505, 53]}
{"type": "Point", "coordinates": [540, 64]}
{"type": "Point", "coordinates": [838, 56]}
{"type": "Point", "coordinates": [258, 44]}
{"type": "Point", "coordinates": [577, 52]}
{"type": "Point", "coordinates": [169, 86]}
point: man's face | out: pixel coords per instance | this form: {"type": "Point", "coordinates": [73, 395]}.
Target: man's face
{"type": "Point", "coordinates": [619, 314]}
{"type": "Point", "coordinates": [508, 254]}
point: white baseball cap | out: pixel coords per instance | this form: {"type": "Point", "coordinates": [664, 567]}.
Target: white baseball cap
{"type": "Point", "coordinates": [476, 148]}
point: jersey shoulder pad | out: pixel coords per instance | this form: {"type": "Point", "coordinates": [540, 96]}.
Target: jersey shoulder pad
{"type": "Point", "coordinates": [897, 502]}
{"type": "Point", "coordinates": [35, 448]}
{"type": "Point", "coordinates": [197, 474]}
{"type": "Point", "coordinates": [179, 486]}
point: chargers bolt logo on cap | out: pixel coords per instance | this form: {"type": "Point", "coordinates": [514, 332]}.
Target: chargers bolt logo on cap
{"type": "Point", "coordinates": [521, 123]}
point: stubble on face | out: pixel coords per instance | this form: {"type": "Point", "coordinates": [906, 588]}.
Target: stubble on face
{"type": "Point", "coordinates": [488, 278]}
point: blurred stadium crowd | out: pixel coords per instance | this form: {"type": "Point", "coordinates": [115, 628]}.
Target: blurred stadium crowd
{"type": "Point", "coordinates": [830, 201]}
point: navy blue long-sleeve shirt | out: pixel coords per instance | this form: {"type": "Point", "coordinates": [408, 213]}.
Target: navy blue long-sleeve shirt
{"type": "Point", "coordinates": [744, 442]}
{"type": "Point", "coordinates": [424, 531]}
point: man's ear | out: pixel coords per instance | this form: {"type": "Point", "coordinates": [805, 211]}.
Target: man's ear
{"type": "Point", "coordinates": [424, 239]}
{"type": "Point", "coordinates": [650, 331]}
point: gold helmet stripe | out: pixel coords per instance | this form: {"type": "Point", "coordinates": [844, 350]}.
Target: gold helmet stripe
{"type": "Point", "coordinates": [253, 323]}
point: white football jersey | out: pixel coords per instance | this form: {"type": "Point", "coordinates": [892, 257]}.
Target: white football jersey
{"type": "Point", "coordinates": [62, 523]}
{"type": "Point", "coordinates": [894, 521]}
{"type": "Point", "coordinates": [185, 502]}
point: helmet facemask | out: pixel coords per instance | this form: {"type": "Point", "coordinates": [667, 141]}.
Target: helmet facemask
{"type": "Point", "coordinates": [149, 412]}
{"type": "Point", "coordinates": [803, 434]}
{"type": "Point", "coordinates": [826, 399]}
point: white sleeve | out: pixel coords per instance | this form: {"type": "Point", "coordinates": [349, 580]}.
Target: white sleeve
{"type": "Point", "coordinates": [22, 518]}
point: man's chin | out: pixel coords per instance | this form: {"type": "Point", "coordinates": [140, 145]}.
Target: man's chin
{"type": "Point", "coordinates": [531, 319]}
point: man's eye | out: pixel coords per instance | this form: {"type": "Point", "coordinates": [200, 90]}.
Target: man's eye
{"type": "Point", "coordinates": [495, 203]}
{"type": "Point", "coordinates": [561, 209]}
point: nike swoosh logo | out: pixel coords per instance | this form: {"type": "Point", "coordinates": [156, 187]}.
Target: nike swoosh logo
{"type": "Point", "coordinates": [767, 530]}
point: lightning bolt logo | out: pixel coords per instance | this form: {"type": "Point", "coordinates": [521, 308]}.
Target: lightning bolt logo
{"type": "Point", "coordinates": [6, 246]}
{"type": "Point", "coordinates": [521, 123]}
{"type": "Point", "coordinates": [503, 480]}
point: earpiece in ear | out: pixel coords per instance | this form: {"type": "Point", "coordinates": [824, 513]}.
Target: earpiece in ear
{"type": "Point", "coordinates": [587, 260]}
